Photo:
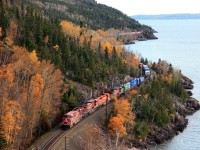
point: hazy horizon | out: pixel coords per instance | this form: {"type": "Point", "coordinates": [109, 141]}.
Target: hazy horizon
{"type": "Point", "coordinates": [167, 14]}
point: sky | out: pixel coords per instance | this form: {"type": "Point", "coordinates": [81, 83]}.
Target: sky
{"type": "Point", "coordinates": [151, 7]}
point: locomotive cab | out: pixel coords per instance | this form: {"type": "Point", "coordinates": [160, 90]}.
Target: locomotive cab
{"type": "Point", "coordinates": [66, 121]}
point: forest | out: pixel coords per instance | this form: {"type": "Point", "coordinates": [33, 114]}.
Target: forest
{"type": "Point", "coordinates": [37, 56]}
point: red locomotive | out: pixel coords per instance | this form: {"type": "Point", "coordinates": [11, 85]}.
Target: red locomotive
{"type": "Point", "coordinates": [101, 100]}
{"type": "Point", "coordinates": [90, 106]}
{"type": "Point", "coordinates": [72, 117]}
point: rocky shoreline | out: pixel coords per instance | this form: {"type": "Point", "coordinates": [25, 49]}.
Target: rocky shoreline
{"type": "Point", "coordinates": [178, 122]}
{"type": "Point", "coordinates": [177, 125]}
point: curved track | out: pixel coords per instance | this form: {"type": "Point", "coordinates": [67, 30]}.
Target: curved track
{"type": "Point", "coordinates": [53, 140]}
{"type": "Point", "coordinates": [51, 143]}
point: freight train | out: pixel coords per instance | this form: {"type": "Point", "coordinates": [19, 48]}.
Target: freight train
{"type": "Point", "coordinates": [71, 118]}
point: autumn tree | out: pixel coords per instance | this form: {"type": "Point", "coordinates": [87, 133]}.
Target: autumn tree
{"type": "Point", "coordinates": [93, 37]}
{"type": "Point", "coordinates": [12, 121]}
{"type": "Point", "coordinates": [123, 108]}
{"type": "Point", "coordinates": [29, 89]}
{"type": "Point", "coordinates": [117, 128]}
{"type": "Point", "coordinates": [0, 32]}
{"type": "Point", "coordinates": [35, 88]}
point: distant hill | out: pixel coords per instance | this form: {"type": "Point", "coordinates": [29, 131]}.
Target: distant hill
{"type": "Point", "coordinates": [88, 12]}
{"type": "Point", "coordinates": [167, 16]}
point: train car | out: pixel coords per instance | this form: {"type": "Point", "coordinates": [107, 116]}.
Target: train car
{"type": "Point", "coordinates": [138, 81]}
{"type": "Point", "coordinates": [133, 83]}
{"type": "Point", "coordinates": [116, 91]}
{"type": "Point", "coordinates": [90, 106]}
{"type": "Point", "coordinates": [147, 71]}
{"type": "Point", "coordinates": [101, 100]}
{"type": "Point", "coordinates": [125, 87]}
{"type": "Point", "coordinates": [71, 118]}
{"type": "Point", "coordinates": [121, 89]}
{"type": "Point", "coordinates": [141, 79]}
{"type": "Point", "coordinates": [80, 109]}
{"type": "Point", "coordinates": [108, 96]}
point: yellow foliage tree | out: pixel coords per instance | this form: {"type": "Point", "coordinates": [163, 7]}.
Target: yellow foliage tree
{"type": "Point", "coordinates": [94, 37]}
{"type": "Point", "coordinates": [37, 83]}
{"type": "Point", "coordinates": [56, 47]}
{"type": "Point", "coordinates": [70, 29]}
{"type": "Point", "coordinates": [27, 88]}
{"type": "Point", "coordinates": [136, 60]}
{"type": "Point", "coordinates": [33, 57]}
{"type": "Point", "coordinates": [109, 46]}
{"type": "Point", "coordinates": [12, 120]}
{"type": "Point", "coordinates": [116, 126]}
{"type": "Point", "coordinates": [123, 108]}
{"type": "Point", "coordinates": [6, 75]}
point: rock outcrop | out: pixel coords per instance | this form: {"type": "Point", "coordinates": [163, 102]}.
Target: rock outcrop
{"type": "Point", "coordinates": [187, 83]}
{"type": "Point", "coordinates": [178, 123]}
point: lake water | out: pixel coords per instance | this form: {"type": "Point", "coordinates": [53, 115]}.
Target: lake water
{"type": "Point", "coordinates": [179, 44]}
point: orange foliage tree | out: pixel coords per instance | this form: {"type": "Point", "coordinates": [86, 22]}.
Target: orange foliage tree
{"type": "Point", "coordinates": [29, 88]}
{"type": "Point", "coordinates": [12, 120]}
{"type": "Point", "coordinates": [94, 37]}
{"type": "Point", "coordinates": [0, 32]}
{"type": "Point", "coordinates": [123, 108]}
{"type": "Point", "coordinates": [117, 128]}
{"type": "Point", "coordinates": [123, 121]}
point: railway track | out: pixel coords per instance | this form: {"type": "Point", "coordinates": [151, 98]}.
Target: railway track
{"type": "Point", "coordinates": [57, 136]}
{"type": "Point", "coordinates": [53, 140]}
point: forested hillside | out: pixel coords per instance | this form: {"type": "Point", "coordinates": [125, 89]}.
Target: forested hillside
{"type": "Point", "coordinates": [90, 14]}
{"type": "Point", "coordinates": [38, 55]}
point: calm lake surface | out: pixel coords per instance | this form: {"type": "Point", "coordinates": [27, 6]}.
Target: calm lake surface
{"type": "Point", "coordinates": [179, 44]}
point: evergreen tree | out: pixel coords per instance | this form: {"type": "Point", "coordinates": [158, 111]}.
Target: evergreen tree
{"type": "Point", "coordinates": [114, 55]}
{"type": "Point", "coordinates": [142, 60]}
{"type": "Point", "coordinates": [3, 142]}
{"type": "Point", "coordinates": [99, 50]}
{"type": "Point", "coordinates": [106, 56]}
{"type": "Point", "coordinates": [146, 61]}
{"type": "Point", "coordinates": [4, 22]}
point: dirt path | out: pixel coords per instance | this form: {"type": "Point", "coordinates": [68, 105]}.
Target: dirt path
{"type": "Point", "coordinates": [73, 135]}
